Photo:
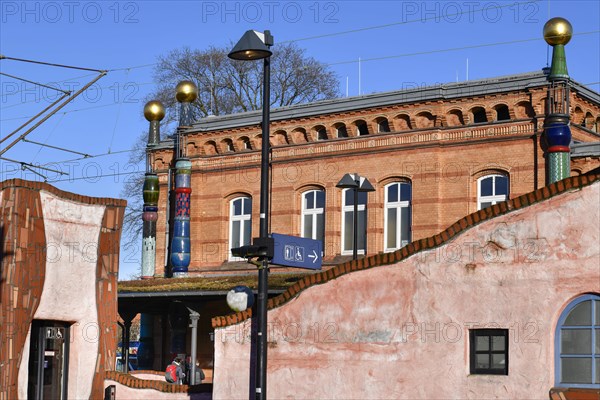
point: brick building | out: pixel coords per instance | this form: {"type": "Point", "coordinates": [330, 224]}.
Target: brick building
{"type": "Point", "coordinates": [433, 154]}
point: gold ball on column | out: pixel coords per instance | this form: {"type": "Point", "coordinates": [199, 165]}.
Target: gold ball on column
{"type": "Point", "coordinates": [186, 92]}
{"type": "Point", "coordinates": [154, 111]}
{"type": "Point", "coordinates": [557, 31]}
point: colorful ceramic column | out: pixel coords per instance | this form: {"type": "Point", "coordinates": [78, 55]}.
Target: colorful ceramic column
{"type": "Point", "coordinates": [186, 93]}
{"type": "Point", "coordinates": [154, 113]}
{"type": "Point", "coordinates": [557, 33]}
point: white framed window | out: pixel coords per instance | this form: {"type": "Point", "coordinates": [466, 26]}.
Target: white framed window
{"type": "Point", "coordinates": [313, 215]}
{"type": "Point", "coordinates": [491, 189]}
{"type": "Point", "coordinates": [240, 223]}
{"type": "Point", "coordinates": [348, 222]}
{"type": "Point", "coordinates": [397, 216]}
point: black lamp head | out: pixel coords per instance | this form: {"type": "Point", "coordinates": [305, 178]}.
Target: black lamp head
{"type": "Point", "coordinates": [252, 46]}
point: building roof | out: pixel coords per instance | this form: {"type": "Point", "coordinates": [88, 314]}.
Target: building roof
{"type": "Point", "coordinates": [508, 83]}
{"type": "Point", "coordinates": [201, 285]}
{"type": "Point", "coordinates": [585, 149]}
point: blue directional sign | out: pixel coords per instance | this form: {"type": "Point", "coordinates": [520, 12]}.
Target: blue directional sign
{"type": "Point", "coordinates": [294, 251]}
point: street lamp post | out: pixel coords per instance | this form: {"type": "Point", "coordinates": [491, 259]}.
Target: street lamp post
{"type": "Point", "coordinates": [255, 46]}
{"type": "Point", "coordinates": [358, 184]}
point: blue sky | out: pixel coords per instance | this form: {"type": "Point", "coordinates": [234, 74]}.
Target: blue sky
{"type": "Point", "coordinates": [401, 44]}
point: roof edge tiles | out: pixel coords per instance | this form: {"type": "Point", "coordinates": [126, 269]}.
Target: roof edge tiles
{"type": "Point", "coordinates": [441, 91]}
{"type": "Point", "coordinates": [34, 185]}
{"type": "Point", "coordinates": [382, 259]}
{"type": "Point", "coordinates": [131, 381]}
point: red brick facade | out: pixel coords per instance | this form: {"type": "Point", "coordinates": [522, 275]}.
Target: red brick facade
{"type": "Point", "coordinates": [440, 145]}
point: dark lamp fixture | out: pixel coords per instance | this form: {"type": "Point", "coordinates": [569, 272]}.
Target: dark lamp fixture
{"type": "Point", "coordinates": [355, 181]}
{"type": "Point", "coordinates": [252, 46]}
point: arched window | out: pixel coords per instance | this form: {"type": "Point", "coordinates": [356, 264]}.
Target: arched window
{"type": "Point", "coordinates": [577, 344]}
{"type": "Point", "coordinates": [402, 122]}
{"type": "Point", "coordinates": [397, 215]}
{"type": "Point", "coordinates": [228, 145]}
{"type": "Point", "coordinates": [320, 133]}
{"type": "Point", "coordinates": [491, 189]}
{"type": "Point", "coordinates": [361, 128]}
{"type": "Point", "coordinates": [383, 125]}
{"type": "Point", "coordinates": [479, 115]}
{"type": "Point", "coordinates": [348, 222]}
{"type": "Point", "coordinates": [246, 145]}
{"type": "Point", "coordinates": [524, 110]}
{"type": "Point", "coordinates": [313, 215]}
{"type": "Point", "coordinates": [240, 223]}
{"type": "Point", "coordinates": [341, 131]}
{"type": "Point", "coordinates": [299, 135]}
{"type": "Point", "coordinates": [455, 118]}
{"type": "Point", "coordinates": [502, 112]}
{"type": "Point", "coordinates": [279, 138]}
{"type": "Point", "coordinates": [588, 121]}
{"type": "Point", "coordinates": [210, 148]}
{"type": "Point", "coordinates": [425, 120]}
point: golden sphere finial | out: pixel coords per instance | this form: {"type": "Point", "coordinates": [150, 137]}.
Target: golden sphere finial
{"type": "Point", "coordinates": [557, 31]}
{"type": "Point", "coordinates": [186, 92]}
{"type": "Point", "coordinates": [154, 111]}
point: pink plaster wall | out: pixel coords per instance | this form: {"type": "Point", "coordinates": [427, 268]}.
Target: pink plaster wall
{"type": "Point", "coordinates": [72, 231]}
{"type": "Point", "coordinates": [401, 331]}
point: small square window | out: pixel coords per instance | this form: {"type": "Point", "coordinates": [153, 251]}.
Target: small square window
{"type": "Point", "coordinates": [488, 351]}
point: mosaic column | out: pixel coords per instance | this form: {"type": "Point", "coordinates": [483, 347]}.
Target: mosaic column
{"type": "Point", "coordinates": [154, 112]}
{"type": "Point", "coordinates": [557, 134]}
{"type": "Point", "coordinates": [186, 93]}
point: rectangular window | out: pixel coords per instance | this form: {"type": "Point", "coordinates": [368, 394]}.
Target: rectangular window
{"type": "Point", "coordinates": [488, 351]}
{"type": "Point", "coordinates": [240, 223]}
{"type": "Point", "coordinates": [397, 215]}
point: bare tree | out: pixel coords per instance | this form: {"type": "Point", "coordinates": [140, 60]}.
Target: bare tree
{"type": "Point", "coordinates": [225, 86]}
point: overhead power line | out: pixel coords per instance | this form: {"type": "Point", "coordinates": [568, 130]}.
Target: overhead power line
{"type": "Point", "coordinates": [54, 111]}
{"type": "Point", "coordinates": [35, 83]}
{"type": "Point", "coordinates": [85, 155]}
{"type": "Point", "coordinates": [367, 28]}
{"type": "Point", "coordinates": [96, 176]}
{"type": "Point", "coordinates": [450, 49]}
{"type": "Point", "coordinates": [433, 17]}
{"type": "Point", "coordinates": [3, 57]}
{"type": "Point", "coordinates": [32, 118]}
{"type": "Point", "coordinates": [33, 165]}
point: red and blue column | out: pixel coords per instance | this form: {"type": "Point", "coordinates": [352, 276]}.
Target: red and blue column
{"type": "Point", "coordinates": [180, 255]}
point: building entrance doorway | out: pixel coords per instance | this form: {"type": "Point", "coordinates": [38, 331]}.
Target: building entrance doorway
{"type": "Point", "coordinates": [48, 360]}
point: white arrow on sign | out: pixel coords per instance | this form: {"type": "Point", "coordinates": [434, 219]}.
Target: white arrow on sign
{"type": "Point", "coordinates": [314, 256]}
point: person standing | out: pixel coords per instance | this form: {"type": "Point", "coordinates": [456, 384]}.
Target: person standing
{"type": "Point", "coordinates": [174, 372]}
